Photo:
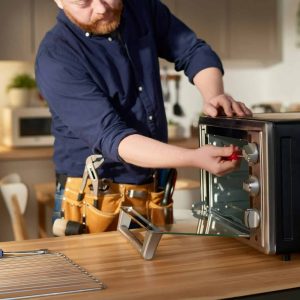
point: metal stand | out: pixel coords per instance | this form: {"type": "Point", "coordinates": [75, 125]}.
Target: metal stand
{"type": "Point", "coordinates": [148, 246]}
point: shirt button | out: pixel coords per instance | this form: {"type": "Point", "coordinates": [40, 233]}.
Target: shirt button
{"type": "Point", "coordinates": [87, 34]}
{"type": "Point", "coordinates": [150, 118]}
{"type": "Point", "coordinates": [140, 88]}
{"type": "Point", "coordinates": [110, 39]}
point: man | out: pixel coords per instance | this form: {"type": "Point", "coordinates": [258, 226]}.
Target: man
{"type": "Point", "coordinates": [98, 69]}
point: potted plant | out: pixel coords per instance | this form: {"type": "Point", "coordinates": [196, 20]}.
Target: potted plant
{"type": "Point", "coordinates": [19, 90]}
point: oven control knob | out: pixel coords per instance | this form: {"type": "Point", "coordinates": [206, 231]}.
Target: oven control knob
{"type": "Point", "coordinates": [251, 185]}
{"type": "Point", "coordinates": [252, 218]}
{"type": "Point", "coordinates": [250, 153]}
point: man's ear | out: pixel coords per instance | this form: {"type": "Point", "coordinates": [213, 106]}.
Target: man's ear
{"type": "Point", "coordinates": [59, 4]}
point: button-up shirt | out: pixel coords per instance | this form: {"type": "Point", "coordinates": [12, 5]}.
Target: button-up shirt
{"type": "Point", "coordinates": [102, 88]}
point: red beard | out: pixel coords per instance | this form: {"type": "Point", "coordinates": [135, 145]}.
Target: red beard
{"type": "Point", "coordinates": [98, 26]}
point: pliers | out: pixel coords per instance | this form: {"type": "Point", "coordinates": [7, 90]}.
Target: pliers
{"type": "Point", "coordinates": [92, 163]}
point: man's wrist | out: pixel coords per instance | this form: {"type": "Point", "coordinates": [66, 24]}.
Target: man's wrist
{"type": "Point", "coordinates": [208, 99]}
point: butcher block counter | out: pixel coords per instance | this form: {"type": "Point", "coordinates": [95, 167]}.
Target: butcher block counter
{"type": "Point", "coordinates": [185, 267]}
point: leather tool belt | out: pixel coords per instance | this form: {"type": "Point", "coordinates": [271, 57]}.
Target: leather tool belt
{"type": "Point", "coordinates": [111, 196]}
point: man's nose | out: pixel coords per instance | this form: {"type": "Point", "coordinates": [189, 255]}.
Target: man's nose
{"type": "Point", "coordinates": [100, 6]}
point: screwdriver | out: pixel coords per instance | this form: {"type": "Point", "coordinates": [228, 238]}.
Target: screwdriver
{"type": "Point", "coordinates": [30, 252]}
{"type": "Point", "coordinates": [234, 156]}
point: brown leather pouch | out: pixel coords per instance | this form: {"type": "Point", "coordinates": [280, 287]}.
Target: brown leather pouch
{"type": "Point", "coordinates": [96, 219]}
{"type": "Point", "coordinates": [157, 214]}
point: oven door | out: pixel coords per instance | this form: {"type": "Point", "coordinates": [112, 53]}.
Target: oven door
{"type": "Point", "coordinates": [225, 205]}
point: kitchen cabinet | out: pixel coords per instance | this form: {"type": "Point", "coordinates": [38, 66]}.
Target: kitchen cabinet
{"type": "Point", "coordinates": [15, 30]}
{"type": "Point", "coordinates": [208, 19]}
{"type": "Point", "coordinates": [238, 30]}
{"type": "Point", "coordinates": [254, 30]}
{"type": "Point", "coordinates": [24, 23]}
{"type": "Point", "coordinates": [44, 19]}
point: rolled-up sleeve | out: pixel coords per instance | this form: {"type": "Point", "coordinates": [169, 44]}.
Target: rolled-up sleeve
{"type": "Point", "coordinates": [80, 105]}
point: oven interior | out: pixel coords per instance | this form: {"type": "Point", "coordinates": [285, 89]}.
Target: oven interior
{"type": "Point", "coordinates": [225, 202]}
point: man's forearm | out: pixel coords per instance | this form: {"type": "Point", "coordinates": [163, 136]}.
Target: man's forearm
{"type": "Point", "coordinates": [209, 82]}
{"type": "Point", "coordinates": [149, 153]}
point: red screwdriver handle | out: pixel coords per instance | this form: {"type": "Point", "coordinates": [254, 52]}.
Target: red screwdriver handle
{"type": "Point", "coordinates": [233, 156]}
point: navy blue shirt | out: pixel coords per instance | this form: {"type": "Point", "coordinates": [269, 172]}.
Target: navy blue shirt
{"type": "Point", "coordinates": [101, 89]}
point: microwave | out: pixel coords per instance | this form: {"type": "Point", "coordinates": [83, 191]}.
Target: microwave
{"type": "Point", "coordinates": [26, 127]}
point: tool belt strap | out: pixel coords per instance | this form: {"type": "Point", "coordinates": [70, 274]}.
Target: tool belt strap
{"type": "Point", "coordinates": [109, 187]}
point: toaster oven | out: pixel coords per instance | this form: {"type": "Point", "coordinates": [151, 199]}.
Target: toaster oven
{"type": "Point", "coordinates": [260, 201]}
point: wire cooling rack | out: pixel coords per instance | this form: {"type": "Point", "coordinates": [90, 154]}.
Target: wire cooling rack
{"type": "Point", "coordinates": [53, 273]}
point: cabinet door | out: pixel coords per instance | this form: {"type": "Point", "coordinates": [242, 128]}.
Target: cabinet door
{"type": "Point", "coordinates": [16, 30]}
{"type": "Point", "coordinates": [208, 18]}
{"type": "Point", "coordinates": [238, 30]}
{"type": "Point", "coordinates": [253, 30]}
{"type": "Point", "coordinates": [44, 19]}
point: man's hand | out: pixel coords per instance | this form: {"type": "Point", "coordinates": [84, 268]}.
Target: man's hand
{"type": "Point", "coordinates": [217, 160]}
{"type": "Point", "coordinates": [210, 84]}
{"type": "Point", "coordinates": [225, 105]}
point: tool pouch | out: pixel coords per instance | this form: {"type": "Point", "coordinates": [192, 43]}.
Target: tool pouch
{"type": "Point", "coordinates": [157, 214]}
{"type": "Point", "coordinates": [104, 217]}
{"type": "Point", "coordinates": [96, 219]}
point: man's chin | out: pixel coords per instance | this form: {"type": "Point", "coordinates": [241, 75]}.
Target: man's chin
{"type": "Point", "coordinates": [105, 28]}
{"type": "Point", "coordinates": [98, 28]}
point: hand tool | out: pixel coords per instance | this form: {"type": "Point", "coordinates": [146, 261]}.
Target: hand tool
{"type": "Point", "coordinates": [63, 227]}
{"type": "Point", "coordinates": [25, 252]}
{"type": "Point", "coordinates": [167, 199]}
{"type": "Point", "coordinates": [234, 156]}
{"type": "Point", "coordinates": [92, 163]}
{"type": "Point", "coordinates": [169, 187]}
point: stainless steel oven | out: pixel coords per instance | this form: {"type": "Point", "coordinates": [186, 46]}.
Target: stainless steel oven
{"type": "Point", "coordinates": [261, 200]}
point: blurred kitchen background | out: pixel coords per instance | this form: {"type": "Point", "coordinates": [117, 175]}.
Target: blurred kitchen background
{"type": "Point", "coordinates": [258, 41]}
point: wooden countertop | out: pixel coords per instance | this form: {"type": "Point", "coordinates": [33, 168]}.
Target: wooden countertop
{"type": "Point", "coordinates": [184, 267]}
{"type": "Point", "coordinates": [24, 153]}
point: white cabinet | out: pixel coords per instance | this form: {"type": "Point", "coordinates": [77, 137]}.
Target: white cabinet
{"type": "Point", "coordinates": [23, 24]}
{"type": "Point", "coordinates": [238, 30]}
